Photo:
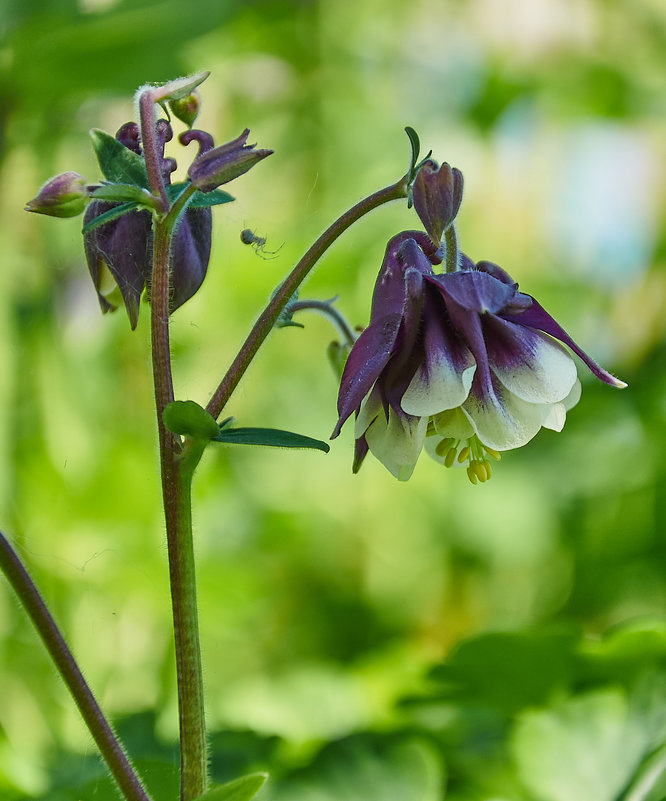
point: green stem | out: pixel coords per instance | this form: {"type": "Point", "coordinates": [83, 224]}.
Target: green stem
{"type": "Point", "coordinates": [176, 493]}
{"type": "Point", "coordinates": [268, 317]}
{"type": "Point", "coordinates": [107, 742]}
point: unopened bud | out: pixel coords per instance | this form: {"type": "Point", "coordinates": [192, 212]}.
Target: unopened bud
{"type": "Point", "coordinates": [63, 196]}
{"type": "Point", "coordinates": [186, 109]}
{"type": "Point", "coordinates": [437, 196]}
{"type": "Point", "coordinates": [222, 164]}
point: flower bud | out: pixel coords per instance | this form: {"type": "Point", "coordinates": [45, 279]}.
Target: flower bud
{"type": "Point", "coordinates": [437, 196]}
{"type": "Point", "coordinates": [63, 196]}
{"type": "Point", "coordinates": [222, 164]}
{"type": "Point", "coordinates": [186, 109]}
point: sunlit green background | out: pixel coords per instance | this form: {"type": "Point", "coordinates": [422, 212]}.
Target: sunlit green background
{"type": "Point", "coordinates": [327, 599]}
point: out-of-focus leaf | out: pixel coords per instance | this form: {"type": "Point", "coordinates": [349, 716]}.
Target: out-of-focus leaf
{"type": "Point", "coordinates": [360, 769]}
{"type": "Point", "coordinates": [582, 749]}
{"type": "Point", "coordinates": [508, 671]}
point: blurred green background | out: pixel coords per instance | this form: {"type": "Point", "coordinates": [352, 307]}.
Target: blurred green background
{"type": "Point", "coordinates": [362, 639]}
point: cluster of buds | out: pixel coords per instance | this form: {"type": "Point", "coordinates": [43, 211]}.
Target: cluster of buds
{"type": "Point", "coordinates": [119, 212]}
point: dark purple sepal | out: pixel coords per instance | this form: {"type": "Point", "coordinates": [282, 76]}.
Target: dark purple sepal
{"type": "Point", "coordinates": [190, 255]}
{"type": "Point", "coordinates": [124, 246]}
{"type": "Point", "coordinates": [367, 359]}
{"type": "Point", "coordinates": [537, 317]}
{"type": "Point", "coordinates": [220, 165]}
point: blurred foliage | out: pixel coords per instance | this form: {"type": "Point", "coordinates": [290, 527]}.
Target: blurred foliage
{"type": "Point", "coordinates": [362, 639]}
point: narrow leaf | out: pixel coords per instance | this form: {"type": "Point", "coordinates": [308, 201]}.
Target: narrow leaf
{"type": "Point", "coordinates": [190, 419]}
{"type": "Point", "coordinates": [107, 216]}
{"type": "Point", "coordinates": [237, 790]}
{"type": "Point", "coordinates": [118, 193]}
{"type": "Point", "coordinates": [119, 164]}
{"type": "Point", "coordinates": [272, 437]}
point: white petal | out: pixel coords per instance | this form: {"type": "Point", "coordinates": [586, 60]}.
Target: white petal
{"type": "Point", "coordinates": [573, 397]}
{"type": "Point", "coordinates": [453, 423]}
{"type": "Point", "coordinates": [554, 415]}
{"type": "Point", "coordinates": [503, 420]}
{"type": "Point", "coordinates": [371, 406]}
{"type": "Point", "coordinates": [398, 442]}
{"type": "Point", "coordinates": [438, 388]}
{"type": "Point", "coordinates": [534, 366]}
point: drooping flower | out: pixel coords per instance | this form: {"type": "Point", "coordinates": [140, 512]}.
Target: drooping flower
{"type": "Point", "coordinates": [461, 361]}
{"type": "Point", "coordinates": [119, 252]}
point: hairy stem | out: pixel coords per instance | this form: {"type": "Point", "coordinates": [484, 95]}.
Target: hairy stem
{"type": "Point", "coordinates": [107, 742]}
{"type": "Point", "coordinates": [176, 484]}
{"type": "Point", "coordinates": [452, 254]}
{"type": "Point", "coordinates": [268, 317]}
{"type": "Point", "coordinates": [150, 151]}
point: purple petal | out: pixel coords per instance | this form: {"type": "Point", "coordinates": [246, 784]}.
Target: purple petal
{"type": "Point", "coordinates": [537, 317]}
{"type": "Point", "coordinates": [366, 360]}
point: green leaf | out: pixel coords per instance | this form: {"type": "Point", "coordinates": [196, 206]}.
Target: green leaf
{"type": "Point", "coordinates": [199, 200]}
{"type": "Point", "coordinates": [107, 216]}
{"type": "Point", "coordinates": [273, 437]}
{"type": "Point", "coordinates": [190, 419]}
{"type": "Point", "coordinates": [237, 790]}
{"type": "Point", "coordinates": [119, 193]}
{"type": "Point", "coordinates": [119, 164]}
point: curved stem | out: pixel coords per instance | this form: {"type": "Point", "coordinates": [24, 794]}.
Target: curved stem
{"type": "Point", "coordinates": [107, 742]}
{"type": "Point", "coordinates": [268, 317]}
{"type": "Point", "coordinates": [325, 307]}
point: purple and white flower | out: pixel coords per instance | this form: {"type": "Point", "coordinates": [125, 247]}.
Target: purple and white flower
{"type": "Point", "coordinates": [462, 362]}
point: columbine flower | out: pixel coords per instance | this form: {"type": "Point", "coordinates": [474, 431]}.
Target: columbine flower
{"type": "Point", "coordinates": [462, 361]}
{"type": "Point", "coordinates": [216, 166]}
{"type": "Point", "coordinates": [119, 252]}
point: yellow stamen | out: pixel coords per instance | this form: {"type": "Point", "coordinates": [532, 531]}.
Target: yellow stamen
{"type": "Point", "coordinates": [450, 457]}
{"type": "Point", "coordinates": [471, 475]}
{"type": "Point", "coordinates": [464, 453]}
{"type": "Point", "coordinates": [480, 470]}
{"type": "Point", "coordinates": [489, 472]}
{"type": "Point", "coordinates": [444, 446]}
{"type": "Point", "coordinates": [495, 455]}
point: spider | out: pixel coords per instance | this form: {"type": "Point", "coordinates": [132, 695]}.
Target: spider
{"type": "Point", "coordinates": [248, 237]}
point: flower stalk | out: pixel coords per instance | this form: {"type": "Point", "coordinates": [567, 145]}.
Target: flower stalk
{"type": "Point", "coordinates": [176, 494]}
{"type": "Point", "coordinates": [281, 298]}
